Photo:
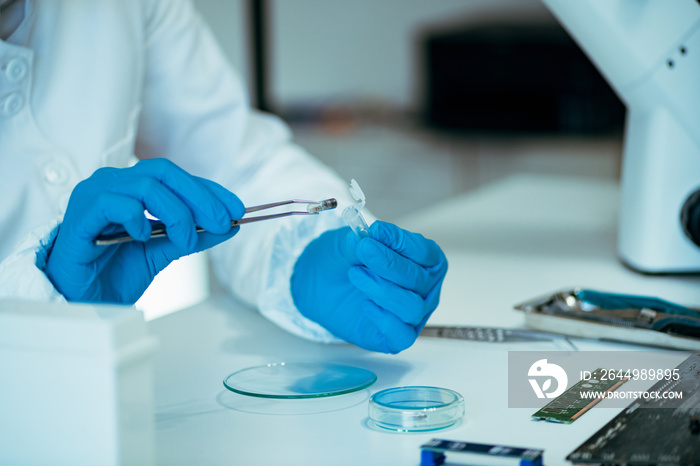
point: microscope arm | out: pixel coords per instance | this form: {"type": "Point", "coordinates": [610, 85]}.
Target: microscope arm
{"type": "Point", "coordinates": [649, 51]}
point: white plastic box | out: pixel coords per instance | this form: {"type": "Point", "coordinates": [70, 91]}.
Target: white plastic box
{"type": "Point", "coordinates": [75, 385]}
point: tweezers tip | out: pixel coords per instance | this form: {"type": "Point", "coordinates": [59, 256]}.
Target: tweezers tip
{"type": "Point", "coordinates": [326, 204]}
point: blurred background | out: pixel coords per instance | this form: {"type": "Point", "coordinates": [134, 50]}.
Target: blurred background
{"type": "Point", "coordinates": [422, 100]}
{"type": "Point", "coordinates": [417, 100]}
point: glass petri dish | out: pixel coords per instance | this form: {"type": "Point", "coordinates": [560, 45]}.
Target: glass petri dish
{"type": "Point", "coordinates": [299, 380]}
{"type": "Point", "coordinates": [416, 408]}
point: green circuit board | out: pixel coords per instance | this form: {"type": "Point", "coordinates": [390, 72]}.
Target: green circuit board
{"type": "Point", "coordinates": [652, 431]}
{"type": "Point", "coordinates": [571, 404]}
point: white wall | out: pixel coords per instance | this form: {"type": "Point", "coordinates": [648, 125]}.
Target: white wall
{"type": "Point", "coordinates": [227, 19]}
{"type": "Point", "coordinates": [338, 50]}
{"type": "Point", "coordinates": [345, 49]}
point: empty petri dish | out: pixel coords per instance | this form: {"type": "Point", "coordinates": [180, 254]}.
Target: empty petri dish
{"type": "Point", "coordinates": [416, 408]}
{"type": "Point", "coordinates": [299, 380]}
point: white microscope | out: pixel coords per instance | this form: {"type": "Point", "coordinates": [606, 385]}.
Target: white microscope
{"type": "Point", "coordinates": [649, 51]}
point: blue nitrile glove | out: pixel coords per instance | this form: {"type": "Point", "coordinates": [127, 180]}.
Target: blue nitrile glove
{"type": "Point", "coordinates": [375, 292]}
{"type": "Point", "coordinates": [113, 199]}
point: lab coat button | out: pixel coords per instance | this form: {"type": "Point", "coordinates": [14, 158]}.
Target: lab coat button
{"type": "Point", "coordinates": [16, 70]}
{"type": "Point", "coordinates": [12, 104]}
{"type": "Point", "coordinates": [55, 173]}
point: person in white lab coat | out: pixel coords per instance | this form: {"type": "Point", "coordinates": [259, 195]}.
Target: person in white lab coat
{"type": "Point", "coordinates": [85, 85]}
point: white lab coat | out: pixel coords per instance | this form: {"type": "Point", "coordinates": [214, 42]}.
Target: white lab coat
{"type": "Point", "coordinates": [86, 84]}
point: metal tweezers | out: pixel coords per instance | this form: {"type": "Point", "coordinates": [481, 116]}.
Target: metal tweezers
{"type": "Point", "coordinates": [158, 228]}
{"type": "Point", "coordinates": [497, 335]}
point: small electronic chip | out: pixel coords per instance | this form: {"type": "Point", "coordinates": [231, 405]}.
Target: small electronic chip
{"type": "Point", "coordinates": [574, 402]}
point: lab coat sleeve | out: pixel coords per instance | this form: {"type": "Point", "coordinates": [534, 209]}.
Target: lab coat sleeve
{"type": "Point", "coordinates": [195, 113]}
{"type": "Point", "coordinates": [21, 273]}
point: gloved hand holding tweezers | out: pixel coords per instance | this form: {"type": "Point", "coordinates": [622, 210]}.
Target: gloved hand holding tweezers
{"type": "Point", "coordinates": [108, 208]}
{"type": "Point", "coordinates": [158, 229]}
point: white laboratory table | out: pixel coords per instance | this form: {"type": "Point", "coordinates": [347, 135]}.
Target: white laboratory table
{"type": "Point", "coordinates": [506, 243]}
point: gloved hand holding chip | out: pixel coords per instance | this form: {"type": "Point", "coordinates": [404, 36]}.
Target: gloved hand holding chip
{"type": "Point", "coordinates": [376, 292]}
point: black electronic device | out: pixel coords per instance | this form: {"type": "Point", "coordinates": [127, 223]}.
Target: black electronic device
{"type": "Point", "coordinates": [654, 430]}
{"type": "Point", "coordinates": [522, 78]}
